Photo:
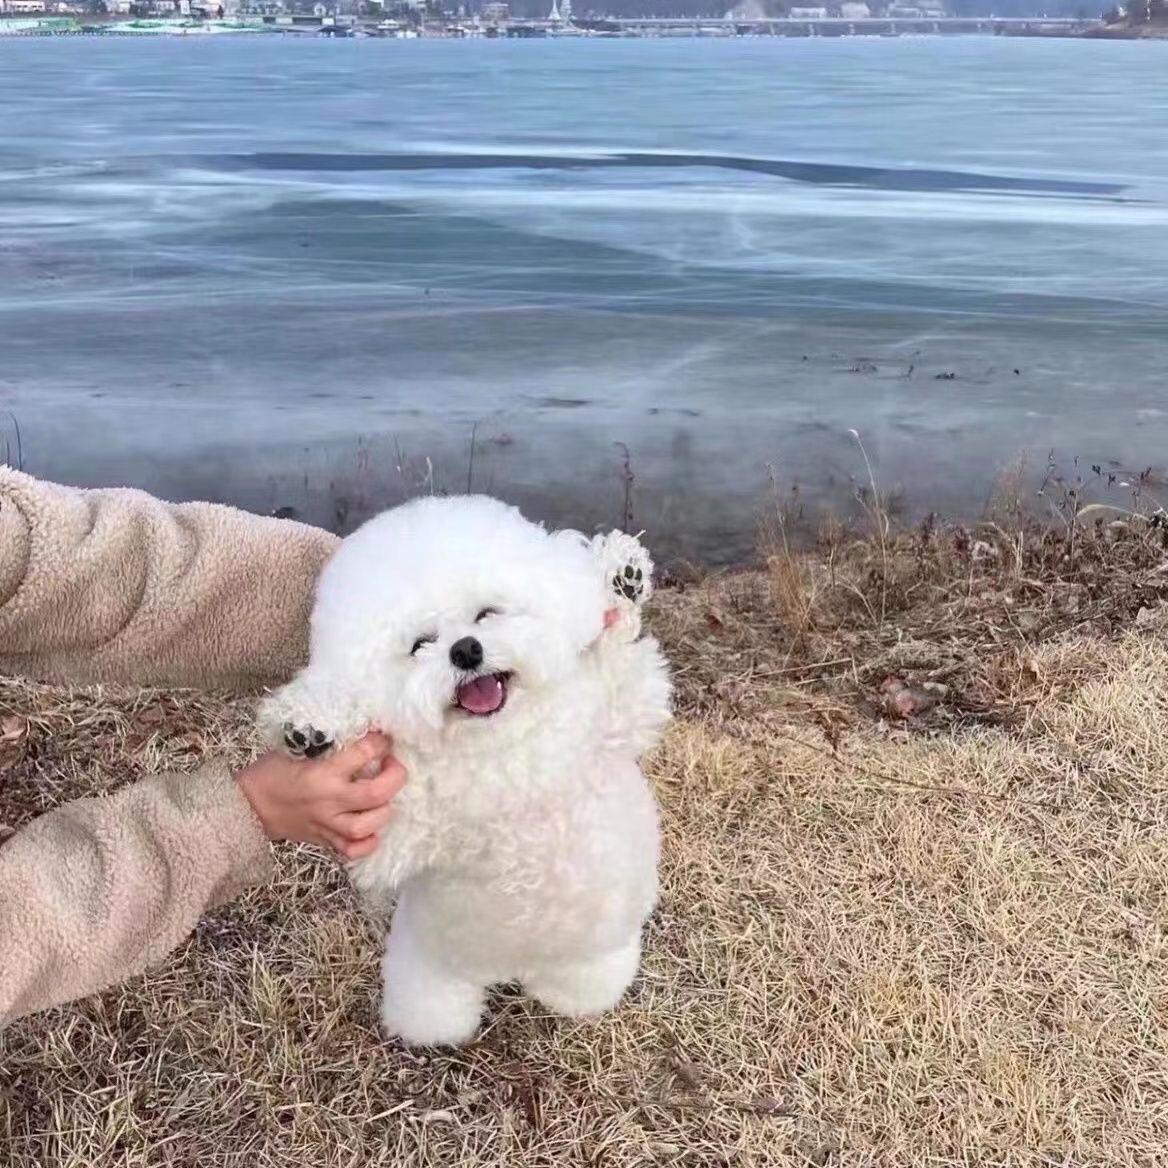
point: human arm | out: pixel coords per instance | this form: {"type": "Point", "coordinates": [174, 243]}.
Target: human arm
{"type": "Point", "coordinates": [115, 585]}
{"type": "Point", "coordinates": [100, 889]}
{"type": "Point", "coordinates": [118, 586]}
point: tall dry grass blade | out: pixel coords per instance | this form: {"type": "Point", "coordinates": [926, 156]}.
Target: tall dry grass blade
{"type": "Point", "coordinates": [879, 517]}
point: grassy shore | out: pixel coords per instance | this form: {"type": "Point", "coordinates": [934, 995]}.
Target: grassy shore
{"type": "Point", "coordinates": [913, 913]}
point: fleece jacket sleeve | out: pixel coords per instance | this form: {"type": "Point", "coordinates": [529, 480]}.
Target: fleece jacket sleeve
{"type": "Point", "coordinates": [99, 889]}
{"type": "Point", "coordinates": [115, 585]}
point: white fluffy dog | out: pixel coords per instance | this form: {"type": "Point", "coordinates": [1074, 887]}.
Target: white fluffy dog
{"type": "Point", "coordinates": [506, 663]}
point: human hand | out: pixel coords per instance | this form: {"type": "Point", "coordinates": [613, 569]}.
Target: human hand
{"type": "Point", "coordinates": [340, 801]}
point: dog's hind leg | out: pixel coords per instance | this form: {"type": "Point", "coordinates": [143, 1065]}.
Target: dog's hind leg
{"type": "Point", "coordinates": [423, 1003]}
{"type": "Point", "coordinates": [591, 986]}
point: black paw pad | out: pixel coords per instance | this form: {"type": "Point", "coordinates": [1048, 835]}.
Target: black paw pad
{"type": "Point", "coordinates": [306, 741]}
{"type": "Point", "coordinates": [629, 583]}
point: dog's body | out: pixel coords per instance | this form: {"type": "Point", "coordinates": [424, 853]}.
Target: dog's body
{"type": "Point", "coordinates": [524, 846]}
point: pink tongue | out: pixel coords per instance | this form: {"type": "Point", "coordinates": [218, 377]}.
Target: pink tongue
{"type": "Point", "coordinates": [484, 695]}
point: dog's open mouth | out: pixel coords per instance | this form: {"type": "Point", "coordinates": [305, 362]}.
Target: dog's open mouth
{"type": "Point", "coordinates": [483, 695]}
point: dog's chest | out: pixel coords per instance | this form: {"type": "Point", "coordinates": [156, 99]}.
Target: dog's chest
{"type": "Point", "coordinates": [489, 804]}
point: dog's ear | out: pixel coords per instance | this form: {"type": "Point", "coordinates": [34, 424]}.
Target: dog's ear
{"type": "Point", "coordinates": [627, 573]}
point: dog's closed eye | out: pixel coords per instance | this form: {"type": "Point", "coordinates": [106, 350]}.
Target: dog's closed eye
{"type": "Point", "coordinates": [428, 639]}
{"type": "Point", "coordinates": [486, 612]}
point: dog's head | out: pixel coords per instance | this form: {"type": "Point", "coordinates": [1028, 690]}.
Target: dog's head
{"type": "Point", "coordinates": [447, 612]}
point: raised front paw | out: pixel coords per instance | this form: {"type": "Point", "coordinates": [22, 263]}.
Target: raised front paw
{"type": "Point", "coordinates": [306, 741]}
{"type": "Point", "coordinates": [629, 582]}
{"type": "Point", "coordinates": [628, 566]}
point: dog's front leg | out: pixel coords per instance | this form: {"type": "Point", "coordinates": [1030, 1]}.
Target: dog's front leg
{"type": "Point", "coordinates": [424, 1002]}
{"type": "Point", "coordinates": [311, 714]}
{"type": "Point", "coordinates": [635, 681]}
{"type": "Point", "coordinates": [627, 572]}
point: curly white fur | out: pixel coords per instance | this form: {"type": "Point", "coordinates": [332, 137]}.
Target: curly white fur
{"type": "Point", "coordinates": [524, 846]}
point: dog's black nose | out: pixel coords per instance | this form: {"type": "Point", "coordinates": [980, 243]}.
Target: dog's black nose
{"type": "Point", "coordinates": [466, 653]}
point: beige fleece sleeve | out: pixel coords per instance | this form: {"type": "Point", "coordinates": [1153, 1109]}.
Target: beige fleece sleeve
{"type": "Point", "coordinates": [97, 890]}
{"type": "Point", "coordinates": [114, 585]}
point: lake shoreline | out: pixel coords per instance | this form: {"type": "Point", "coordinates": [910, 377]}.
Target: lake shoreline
{"type": "Point", "coordinates": [1127, 32]}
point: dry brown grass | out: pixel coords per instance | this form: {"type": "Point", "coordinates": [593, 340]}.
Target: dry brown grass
{"type": "Point", "coordinates": [879, 943]}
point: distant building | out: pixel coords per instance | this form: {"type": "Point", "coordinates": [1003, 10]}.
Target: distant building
{"type": "Point", "coordinates": [496, 12]}
{"type": "Point", "coordinates": [855, 11]}
{"type": "Point", "coordinates": [22, 7]}
{"type": "Point", "coordinates": [748, 10]}
{"type": "Point", "coordinates": [807, 13]}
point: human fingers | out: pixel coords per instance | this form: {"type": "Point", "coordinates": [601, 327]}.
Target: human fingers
{"type": "Point", "coordinates": [368, 750]}
{"type": "Point", "coordinates": [348, 849]}
{"type": "Point", "coordinates": [336, 774]}
{"type": "Point", "coordinates": [377, 791]}
{"type": "Point", "coordinates": [360, 824]}
{"type": "Point", "coordinates": [359, 849]}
